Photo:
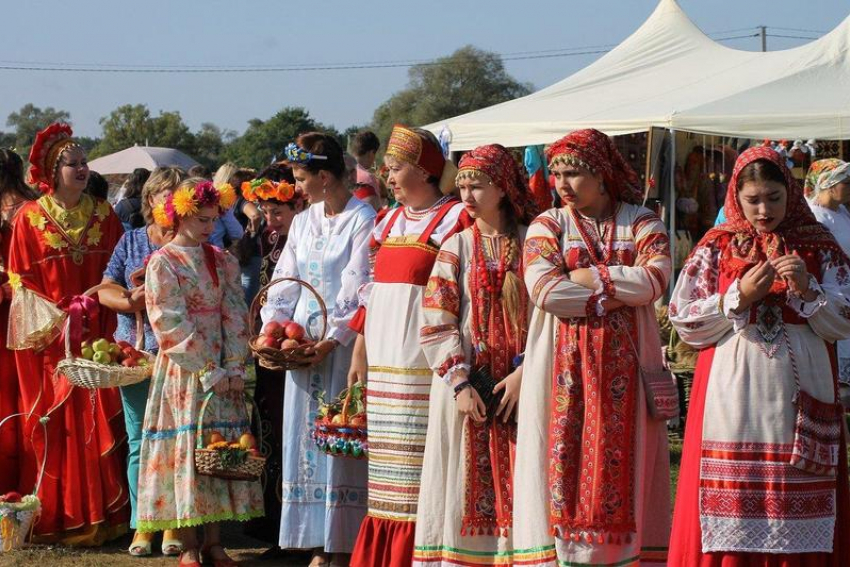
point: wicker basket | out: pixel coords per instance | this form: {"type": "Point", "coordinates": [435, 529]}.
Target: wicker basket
{"type": "Point", "coordinates": [212, 462]}
{"type": "Point", "coordinates": [17, 519]}
{"type": "Point", "coordinates": [282, 359]}
{"type": "Point", "coordinates": [89, 374]}
{"type": "Point", "coordinates": [341, 440]}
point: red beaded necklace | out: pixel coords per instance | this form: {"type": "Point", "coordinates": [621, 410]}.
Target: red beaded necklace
{"type": "Point", "coordinates": [485, 290]}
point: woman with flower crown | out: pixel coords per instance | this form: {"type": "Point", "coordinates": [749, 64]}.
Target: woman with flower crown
{"type": "Point", "coordinates": [65, 233]}
{"type": "Point", "coordinates": [475, 313]}
{"type": "Point", "coordinates": [197, 310]}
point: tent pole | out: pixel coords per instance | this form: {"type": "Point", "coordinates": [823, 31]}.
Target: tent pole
{"type": "Point", "coordinates": [672, 208]}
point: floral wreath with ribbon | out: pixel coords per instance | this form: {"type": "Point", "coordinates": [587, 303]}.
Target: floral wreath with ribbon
{"type": "Point", "coordinates": [188, 200]}
{"type": "Point", "coordinates": [262, 189]}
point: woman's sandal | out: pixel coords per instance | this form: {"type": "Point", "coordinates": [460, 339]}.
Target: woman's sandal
{"type": "Point", "coordinates": [208, 559]}
{"type": "Point", "coordinates": [172, 547]}
{"type": "Point", "coordinates": [140, 549]}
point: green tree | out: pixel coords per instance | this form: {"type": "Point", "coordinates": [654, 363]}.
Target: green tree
{"type": "Point", "coordinates": [129, 125]}
{"type": "Point", "coordinates": [29, 120]}
{"type": "Point", "coordinates": [467, 80]}
{"type": "Point", "coordinates": [264, 140]}
{"type": "Point", "coordinates": [210, 142]}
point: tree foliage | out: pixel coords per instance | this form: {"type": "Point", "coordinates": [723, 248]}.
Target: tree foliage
{"type": "Point", "coordinates": [467, 80]}
{"type": "Point", "coordinates": [264, 140]}
{"type": "Point", "coordinates": [29, 120]}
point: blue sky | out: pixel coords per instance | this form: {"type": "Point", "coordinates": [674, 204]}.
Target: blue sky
{"type": "Point", "coordinates": [268, 32]}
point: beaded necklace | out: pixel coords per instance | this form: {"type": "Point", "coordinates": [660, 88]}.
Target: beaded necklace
{"type": "Point", "coordinates": [485, 291]}
{"type": "Point", "coordinates": [410, 214]}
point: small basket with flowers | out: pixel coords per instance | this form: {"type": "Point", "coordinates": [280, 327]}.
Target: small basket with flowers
{"type": "Point", "coordinates": [231, 460]}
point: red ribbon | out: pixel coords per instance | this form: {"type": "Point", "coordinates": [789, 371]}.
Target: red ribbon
{"type": "Point", "coordinates": [82, 313]}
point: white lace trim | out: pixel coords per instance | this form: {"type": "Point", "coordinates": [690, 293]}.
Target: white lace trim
{"type": "Point", "coordinates": [767, 536]}
{"type": "Point", "coordinates": [454, 371]}
{"type": "Point", "coordinates": [597, 281]}
{"type": "Point", "coordinates": [807, 309]}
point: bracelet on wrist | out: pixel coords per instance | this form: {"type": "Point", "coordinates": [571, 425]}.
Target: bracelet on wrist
{"type": "Point", "coordinates": [461, 387]}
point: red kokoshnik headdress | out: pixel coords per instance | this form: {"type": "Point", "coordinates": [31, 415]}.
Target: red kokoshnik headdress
{"type": "Point", "coordinates": [44, 155]}
{"type": "Point", "coordinates": [596, 152]}
{"type": "Point", "coordinates": [747, 246]}
{"type": "Point", "coordinates": [497, 163]}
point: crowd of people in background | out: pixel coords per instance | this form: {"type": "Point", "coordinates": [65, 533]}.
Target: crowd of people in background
{"type": "Point", "coordinates": [516, 396]}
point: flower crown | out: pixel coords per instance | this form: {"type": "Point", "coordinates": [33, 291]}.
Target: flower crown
{"type": "Point", "coordinates": [188, 200]}
{"type": "Point", "coordinates": [296, 154]}
{"type": "Point", "coordinates": [267, 190]}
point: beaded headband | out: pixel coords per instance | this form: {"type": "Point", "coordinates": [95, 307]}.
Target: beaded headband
{"type": "Point", "coordinates": [569, 159]}
{"type": "Point", "coordinates": [296, 154]}
{"type": "Point", "coordinates": [471, 173]}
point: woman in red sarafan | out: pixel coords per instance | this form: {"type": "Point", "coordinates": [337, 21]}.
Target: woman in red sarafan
{"type": "Point", "coordinates": [60, 247]}
{"type": "Point", "coordinates": [592, 468]}
{"type": "Point", "coordinates": [764, 295]}
{"type": "Point", "coordinates": [14, 194]}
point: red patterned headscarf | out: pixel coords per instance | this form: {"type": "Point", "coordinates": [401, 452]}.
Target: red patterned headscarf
{"type": "Point", "coordinates": [747, 246]}
{"type": "Point", "coordinates": [497, 163]}
{"type": "Point", "coordinates": [596, 152]}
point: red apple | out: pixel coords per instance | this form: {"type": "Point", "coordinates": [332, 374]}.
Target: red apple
{"type": "Point", "coordinates": [289, 343]}
{"type": "Point", "coordinates": [130, 362]}
{"type": "Point", "coordinates": [294, 331]}
{"type": "Point", "coordinates": [273, 329]}
{"type": "Point", "coordinates": [12, 497]}
{"type": "Point", "coordinates": [267, 341]}
{"type": "Point", "coordinates": [124, 345]}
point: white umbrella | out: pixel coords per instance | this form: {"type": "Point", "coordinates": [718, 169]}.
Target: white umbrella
{"type": "Point", "coordinates": [125, 161]}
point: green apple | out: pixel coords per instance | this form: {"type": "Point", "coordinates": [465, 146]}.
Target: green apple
{"type": "Point", "coordinates": [88, 352]}
{"type": "Point", "coordinates": [101, 345]}
{"type": "Point", "coordinates": [114, 349]}
{"type": "Point", "coordinates": [101, 357]}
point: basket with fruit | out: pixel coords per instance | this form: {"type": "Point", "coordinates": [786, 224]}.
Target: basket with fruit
{"type": "Point", "coordinates": [282, 345]}
{"type": "Point", "coordinates": [101, 363]}
{"type": "Point", "coordinates": [340, 426]}
{"type": "Point", "coordinates": [231, 460]}
{"type": "Point", "coordinates": [18, 513]}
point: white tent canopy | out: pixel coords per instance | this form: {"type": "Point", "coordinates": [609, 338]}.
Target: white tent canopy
{"type": "Point", "coordinates": [147, 157]}
{"type": "Point", "coordinates": [669, 74]}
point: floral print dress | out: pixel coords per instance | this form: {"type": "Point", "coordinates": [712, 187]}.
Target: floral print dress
{"type": "Point", "coordinates": [199, 320]}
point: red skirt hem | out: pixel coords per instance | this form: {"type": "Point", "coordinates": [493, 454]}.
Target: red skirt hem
{"type": "Point", "coordinates": [686, 537]}
{"type": "Point", "coordinates": [384, 543]}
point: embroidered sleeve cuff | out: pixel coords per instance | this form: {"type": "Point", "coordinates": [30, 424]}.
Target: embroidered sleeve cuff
{"type": "Point", "coordinates": [341, 334]}
{"type": "Point", "coordinates": [804, 308]}
{"type": "Point", "coordinates": [452, 372]}
{"type": "Point", "coordinates": [450, 364]}
{"type": "Point", "coordinates": [598, 285]}
{"type": "Point", "coordinates": [729, 302]}
{"type": "Point", "coordinates": [607, 285]}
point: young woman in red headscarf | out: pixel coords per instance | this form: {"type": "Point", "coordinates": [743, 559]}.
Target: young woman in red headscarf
{"type": "Point", "coordinates": [592, 468]}
{"type": "Point", "coordinates": [404, 247]}
{"type": "Point", "coordinates": [14, 194]}
{"type": "Point", "coordinates": [764, 295]}
{"type": "Point", "coordinates": [60, 247]}
{"type": "Point", "coordinates": [475, 315]}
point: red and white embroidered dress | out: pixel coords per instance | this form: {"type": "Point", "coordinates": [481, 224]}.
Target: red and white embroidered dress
{"type": "Point", "coordinates": [591, 485]}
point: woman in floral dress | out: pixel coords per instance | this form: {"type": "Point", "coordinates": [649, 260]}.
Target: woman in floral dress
{"type": "Point", "coordinates": [197, 311]}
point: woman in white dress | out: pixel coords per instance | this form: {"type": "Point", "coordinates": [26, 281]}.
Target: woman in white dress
{"type": "Point", "coordinates": [828, 190]}
{"type": "Point", "coordinates": [475, 314]}
{"type": "Point", "coordinates": [323, 498]}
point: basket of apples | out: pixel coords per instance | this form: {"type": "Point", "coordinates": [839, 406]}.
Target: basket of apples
{"type": "Point", "coordinates": [105, 364]}
{"type": "Point", "coordinates": [18, 513]}
{"type": "Point", "coordinates": [231, 460]}
{"type": "Point", "coordinates": [340, 426]}
{"type": "Point", "coordinates": [281, 345]}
